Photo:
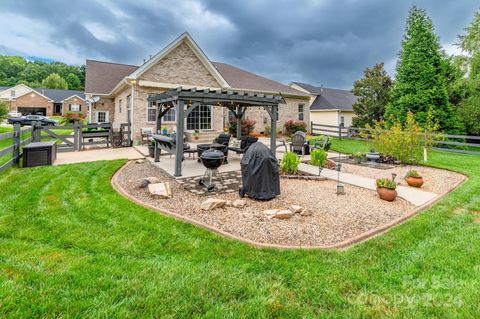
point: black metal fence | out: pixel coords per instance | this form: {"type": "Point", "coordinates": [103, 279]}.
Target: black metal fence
{"type": "Point", "coordinates": [466, 144]}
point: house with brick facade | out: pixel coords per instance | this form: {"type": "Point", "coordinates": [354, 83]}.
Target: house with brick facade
{"type": "Point", "coordinates": [48, 102]}
{"type": "Point", "coordinates": [123, 90]}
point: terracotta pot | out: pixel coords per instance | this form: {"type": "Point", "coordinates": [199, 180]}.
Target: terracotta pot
{"type": "Point", "coordinates": [414, 181]}
{"type": "Point", "coordinates": [196, 137]}
{"type": "Point", "coordinates": [387, 193]}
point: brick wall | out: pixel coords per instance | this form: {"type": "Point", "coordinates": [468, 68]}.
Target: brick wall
{"type": "Point", "coordinates": [32, 99]}
{"type": "Point", "coordinates": [74, 100]}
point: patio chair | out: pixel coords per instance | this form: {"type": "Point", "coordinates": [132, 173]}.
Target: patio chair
{"type": "Point", "coordinates": [282, 143]}
{"type": "Point", "coordinates": [298, 143]}
{"type": "Point", "coordinates": [223, 139]}
{"type": "Point", "coordinates": [147, 133]}
{"type": "Point", "coordinates": [245, 143]}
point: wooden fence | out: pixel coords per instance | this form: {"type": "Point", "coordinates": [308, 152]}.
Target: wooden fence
{"type": "Point", "coordinates": [466, 144]}
{"type": "Point", "coordinates": [69, 138]}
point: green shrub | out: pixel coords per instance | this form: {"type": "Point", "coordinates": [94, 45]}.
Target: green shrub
{"type": "Point", "coordinates": [247, 127]}
{"type": "Point", "coordinates": [318, 157]}
{"type": "Point", "coordinates": [289, 163]}
{"type": "Point", "coordinates": [292, 126]}
{"type": "Point", "coordinates": [386, 183]}
{"type": "Point", "coordinates": [319, 139]}
{"type": "Point", "coordinates": [405, 142]}
{"type": "Point", "coordinates": [412, 173]}
{"type": "Point", "coordinates": [3, 111]}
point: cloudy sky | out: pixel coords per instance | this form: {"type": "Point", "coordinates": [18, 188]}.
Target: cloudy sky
{"type": "Point", "coordinates": [325, 42]}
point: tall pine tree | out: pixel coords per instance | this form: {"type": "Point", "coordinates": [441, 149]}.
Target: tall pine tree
{"type": "Point", "coordinates": [420, 77]}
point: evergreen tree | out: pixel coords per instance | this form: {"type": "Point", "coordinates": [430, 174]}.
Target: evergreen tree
{"type": "Point", "coordinates": [420, 77]}
{"type": "Point", "coordinates": [54, 81]}
{"type": "Point", "coordinates": [373, 92]}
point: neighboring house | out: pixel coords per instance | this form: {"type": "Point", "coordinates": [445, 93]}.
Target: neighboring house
{"type": "Point", "coordinates": [47, 102]}
{"type": "Point", "coordinates": [329, 106]}
{"type": "Point", "coordinates": [124, 89]}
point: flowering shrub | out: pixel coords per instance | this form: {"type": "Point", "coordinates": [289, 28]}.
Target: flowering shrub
{"type": "Point", "coordinates": [247, 127]}
{"type": "Point", "coordinates": [292, 126]}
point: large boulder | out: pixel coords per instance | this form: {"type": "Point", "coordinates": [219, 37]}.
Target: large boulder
{"type": "Point", "coordinates": [161, 190]}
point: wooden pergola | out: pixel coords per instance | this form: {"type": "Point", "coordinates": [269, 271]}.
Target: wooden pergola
{"type": "Point", "coordinates": [237, 101]}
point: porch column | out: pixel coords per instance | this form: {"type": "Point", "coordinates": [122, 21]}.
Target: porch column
{"type": "Point", "coordinates": [158, 126]}
{"type": "Point", "coordinates": [273, 129]}
{"type": "Point", "coordinates": [180, 117]}
{"type": "Point", "coordinates": [239, 122]}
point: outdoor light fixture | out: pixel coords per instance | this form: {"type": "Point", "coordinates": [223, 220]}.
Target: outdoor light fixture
{"type": "Point", "coordinates": [340, 187]}
{"type": "Point", "coordinates": [394, 176]}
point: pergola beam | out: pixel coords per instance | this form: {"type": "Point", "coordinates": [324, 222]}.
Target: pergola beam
{"type": "Point", "coordinates": [236, 101]}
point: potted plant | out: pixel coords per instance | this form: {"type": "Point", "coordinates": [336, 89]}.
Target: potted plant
{"type": "Point", "coordinates": [151, 148]}
{"type": "Point", "coordinates": [358, 157]}
{"type": "Point", "coordinates": [164, 130]}
{"type": "Point", "coordinates": [386, 189]}
{"type": "Point", "coordinates": [414, 179]}
{"type": "Point", "coordinates": [196, 134]}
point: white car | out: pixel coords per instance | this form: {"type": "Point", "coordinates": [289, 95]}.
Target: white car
{"type": "Point", "coordinates": [14, 114]}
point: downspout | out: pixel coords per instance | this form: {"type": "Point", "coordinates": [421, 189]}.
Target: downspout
{"type": "Point", "coordinates": [132, 112]}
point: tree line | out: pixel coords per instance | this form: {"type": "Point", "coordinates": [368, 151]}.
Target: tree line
{"type": "Point", "coordinates": [428, 82]}
{"type": "Point", "coordinates": [55, 75]}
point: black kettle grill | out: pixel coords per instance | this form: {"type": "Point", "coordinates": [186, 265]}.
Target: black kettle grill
{"type": "Point", "coordinates": [212, 160]}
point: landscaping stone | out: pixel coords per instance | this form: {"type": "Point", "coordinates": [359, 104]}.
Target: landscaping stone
{"type": "Point", "coordinates": [239, 203]}
{"type": "Point", "coordinates": [144, 182]}
{"type": "Point", "coordinates": [306, 212]}
{"type": "Point", "coordinates": [161, 190]}
{"type": "Point", "coordinates": [139, 161]}
{"type": "Point", "coordinates": [270, 212]}
{"type": "Point", "coordinates": [296, 208]}
{"type": "Point", "coordinates": [212, 203]}
{"type": "Point", "coordinates": [284, 214]}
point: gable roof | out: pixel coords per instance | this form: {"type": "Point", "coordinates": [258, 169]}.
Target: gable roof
{"type": "Point", "coordinates": [186, 38]}
{"type": "Point", "coordinates": [329, 99]}
{"type": "Point", "coordinates": [102, 77]}
{"type": "Point", "coordinates": [55, 95]}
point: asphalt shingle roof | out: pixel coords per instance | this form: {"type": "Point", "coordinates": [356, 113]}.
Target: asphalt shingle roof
{"type": "Point", "coordinates": [55, 95]}
{"type": "Point", "coordinates": [330, 99]}
{"type": "Point", "coordinates": [102, 77]}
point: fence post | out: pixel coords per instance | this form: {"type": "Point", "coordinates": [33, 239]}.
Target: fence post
{"type": "Point", "coordinates": [339, 131]}
{"type": "Point", "coordinates": [16, 144]}
{"type": "Point", "coordinates": [75, 135]}
{"type": "Point", "coordinates": [36, 132]}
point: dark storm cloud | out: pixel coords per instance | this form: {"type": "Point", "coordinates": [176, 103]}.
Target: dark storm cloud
{"type": "Point", "coordinates": [321, 42]}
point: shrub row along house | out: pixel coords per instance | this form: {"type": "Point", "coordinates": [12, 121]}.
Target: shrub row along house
{"type": "Point", "coordinates": [49, 102]}
{"type": "Point", "coordinates": [124, 89]}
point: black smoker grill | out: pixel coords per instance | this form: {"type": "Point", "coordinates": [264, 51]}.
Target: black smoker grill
{"type": "Point", "coordinates": [260, 176]}
{"type": "Point", "coordinates": [212, 160]}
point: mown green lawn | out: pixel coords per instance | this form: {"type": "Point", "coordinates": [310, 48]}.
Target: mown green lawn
{"type": "Point", "coordinates": [70, 246]}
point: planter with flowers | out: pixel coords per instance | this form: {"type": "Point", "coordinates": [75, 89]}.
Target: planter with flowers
{"type": "Point", "coordinates": [386, 189]}
{"type": "Point", "coordinates": [196, 134]}
{"type": "Point", "coordinates": [414, 179]}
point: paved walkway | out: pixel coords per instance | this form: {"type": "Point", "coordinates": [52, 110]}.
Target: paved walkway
{"type": "Point", "coordinates": [415, 196]}
{"type": "Point", "coordinates": [92, 155]}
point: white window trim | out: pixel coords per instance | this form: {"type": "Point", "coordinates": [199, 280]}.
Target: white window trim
{"type": "Point", "coordinates": [107, 116]}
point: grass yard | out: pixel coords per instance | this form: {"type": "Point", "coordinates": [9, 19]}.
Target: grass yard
{"type": "Point", "coordinates": [72, 247]}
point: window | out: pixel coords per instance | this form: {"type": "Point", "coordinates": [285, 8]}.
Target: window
{"type": "Point", "coordinates": [74, 107]}
{"type": "Point", "coordinates": [301, 108]}
{"type": "Point", "coordinates": [152, 113]}
{"type": "Point", "coordinates": [151, 110]}
{"type": "Point", "coordinates": [102, 117]}
{"type": "Point", "coordinates": [120, 106]}
{"type": "Point", "coordinates": [342, 121]}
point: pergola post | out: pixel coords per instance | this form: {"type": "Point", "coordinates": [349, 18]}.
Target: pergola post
{"type": "Point", "coordinates": [158, 126]}
{"type": "Point", "coordinates": [239, 122]}
{"type": "Point", "coordinates": [273, 130]}
{"type": "Point", "coordinates": [180, 117]}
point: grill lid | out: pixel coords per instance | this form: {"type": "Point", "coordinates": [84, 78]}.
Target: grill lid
{"type": "Point", "coordinates": [212, 154]}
